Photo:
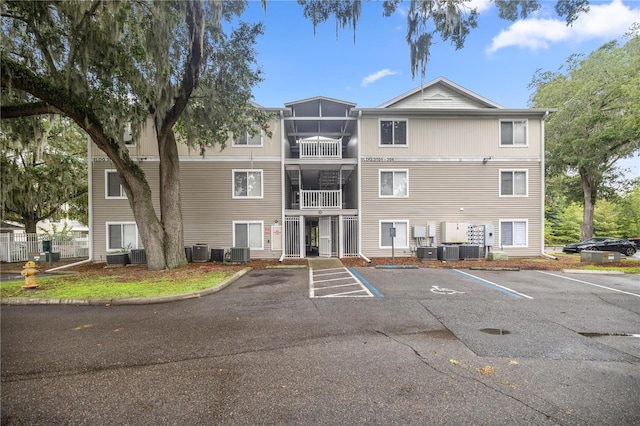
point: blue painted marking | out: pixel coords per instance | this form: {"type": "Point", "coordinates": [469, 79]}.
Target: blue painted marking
{"type": "Point", "coordinates": [366, 283]}
{"type": "Point", "coordinates": [488, 284]}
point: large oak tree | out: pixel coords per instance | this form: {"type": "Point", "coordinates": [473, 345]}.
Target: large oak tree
{"type": "Point", "coordinates": [108, 64]}
{"type": "Point", "coordinates": [597, 122]}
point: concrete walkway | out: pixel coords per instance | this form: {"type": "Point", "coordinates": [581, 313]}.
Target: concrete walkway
{"type": "Point", "coordinates": [325, 263]}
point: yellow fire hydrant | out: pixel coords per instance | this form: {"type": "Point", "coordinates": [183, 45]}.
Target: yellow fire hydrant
{"type": "Point", "coordinates": [29, 273]}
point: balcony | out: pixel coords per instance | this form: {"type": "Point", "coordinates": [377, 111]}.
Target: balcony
{"type": "Point", "coordinates": [318, 147]}
{"type": "Point", "coordinates": [321, 199]}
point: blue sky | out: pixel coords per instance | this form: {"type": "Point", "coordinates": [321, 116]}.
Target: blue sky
{"type": "Point", "coordinates": [498, 60]}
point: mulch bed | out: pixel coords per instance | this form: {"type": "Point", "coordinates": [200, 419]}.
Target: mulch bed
{"type": "Point", "coordinates": [140, 272]}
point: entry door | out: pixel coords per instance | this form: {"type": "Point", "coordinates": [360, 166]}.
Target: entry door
{"type": "Point", "coordinates": [324, 249]}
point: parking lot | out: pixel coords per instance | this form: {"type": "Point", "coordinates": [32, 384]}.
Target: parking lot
{"type": "Point", "coordinates": [431, 346]}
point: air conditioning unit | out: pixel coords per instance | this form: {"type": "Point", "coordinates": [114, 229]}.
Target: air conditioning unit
{"type": "Point", "coordinates": [448, 253]}
{"type": "Point", "coordinates": [200, 253]}
{"type": "Point", "coordinates": [137, 256]}
{"type": "Point", "coordinates": [427, 253]}
{"type": "Point", "coordinates": [217, 255]}
{"type": "Point", "coordinates": [188, 252]}
{"type": "Point", "coordinates": [469, 252]}
{"type": "Point", "coordinates": [240, 254]}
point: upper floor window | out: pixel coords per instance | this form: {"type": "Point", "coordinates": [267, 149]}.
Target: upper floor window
{"type": "Point", "coordinates": [247, 140]}
{"type": "Point", "coordinates": [122, 236]}
{"type": "Point", "coordinates": [248, 234]}
{"type": "Point", "coordinates": [513, 133]}
{"type": "Point", "coordinates": [247, 183]}
{"type": "Point", "coordinates": [513, 233]}
{"type": "Point", "coordinates": [113, 188]}
{"type": "Point", "coordinates": [513, 183]}
{"type": "Point", "coordinates": [401, 230]}
{"type": "Point", "coordinates": [393, 132]}
{"type": "Point", "coordinates": [394, 183]}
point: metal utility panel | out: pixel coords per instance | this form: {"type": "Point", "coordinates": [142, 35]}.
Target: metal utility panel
{"type": "Point", "coordinates": [489, 238]}
{"type": "Point", "coordinates": [419, 232]}
{"type": "Point", "coordinates": [454, 232]}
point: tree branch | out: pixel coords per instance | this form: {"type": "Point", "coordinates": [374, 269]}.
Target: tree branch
{"type": "Point", "coordinates": [27, 110]}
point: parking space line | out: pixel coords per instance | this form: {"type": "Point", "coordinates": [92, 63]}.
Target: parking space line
{"type": "Point", "coordinates": [493, 285]}
{"type": "Point", "coordinates": [588, 283]}
{"type": "Point", "coordinates": [363, 289]}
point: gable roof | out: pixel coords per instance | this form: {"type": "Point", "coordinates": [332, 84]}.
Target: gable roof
{"type": "Point", "coordinates": [440, 93]}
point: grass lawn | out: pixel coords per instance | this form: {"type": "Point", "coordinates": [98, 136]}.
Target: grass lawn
{"type": "Point", "coordinates": [88, 286]}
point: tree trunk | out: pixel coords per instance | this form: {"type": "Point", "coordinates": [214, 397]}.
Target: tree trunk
{"type": "Point", "coordinates": [170, 200]}
{"type": "Point", "coordinates": [586, 227]}
{"type": "Point", "coordinates": [30, 225]}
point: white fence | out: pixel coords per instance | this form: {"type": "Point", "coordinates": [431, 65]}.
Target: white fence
{"type": "Point", "coordinates": [320, 148]}
{"type": "Point", "coordinates": [21, 247]}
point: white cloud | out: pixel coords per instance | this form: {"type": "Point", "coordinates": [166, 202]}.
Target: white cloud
{"type": "Point", "coordinates": [371, 78]}
{"type": "Point", "coordinates": [604, 21]}
{"type": "Point", "coordinates": [480, 5]}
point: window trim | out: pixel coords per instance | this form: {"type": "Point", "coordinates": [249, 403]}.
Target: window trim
{"type": "Point", "coordinates": [393, 145]}
{"type": "Point", "coordinates": [248, 136]}
{"type": "Point", "coordinates": [246, 197]}
{"type": "Point", "coordinates": [526, 234]}
{"type": "Point", "coordinates": [122, 196]}
{"type": "Point", "coordinates": [380, 171]}
{"type": "Point", "coordinates": [107, 224]}
{"type": "Point", "coordinates": [526, 183]}
{"type": "Point", "coordinates": [526, 132]}
{"type": "Point", "coordinates": [247, 222]}
{"type": "Point", "coordinates": [394, 222]}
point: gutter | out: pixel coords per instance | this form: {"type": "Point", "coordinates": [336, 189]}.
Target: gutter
{"type": "Point", "coordinates": [90, 192]}
{"type": "Point", "coordinates": [282, 185]}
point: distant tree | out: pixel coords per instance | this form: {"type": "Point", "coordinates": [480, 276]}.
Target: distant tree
{"type": "Point", "coordinates": [568, 226]}
{"type": "Point", "coordinates": [629, 212]}
{"type": "Point", "coordinates": [596, 124]}
{"type": "Point", "coordinates": [42, 167]}
{"type": "Point", "coordinates": [108, 64]}
{"type": "Point", "coordinates": [605, 220]}
{"type": "Point", "coordinates": [450, 20]}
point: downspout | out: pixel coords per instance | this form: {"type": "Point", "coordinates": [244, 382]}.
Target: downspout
{"type": "Point", "coordinates": [360, 192]}
{"type": "Point", "coordinates": [90, 193]}
{"type": "Point", "coordinates": [542, 186]}
{"type": "Point", "coordinates": [283, 197]}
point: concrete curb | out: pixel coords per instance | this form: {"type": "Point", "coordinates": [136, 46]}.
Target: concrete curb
{"type": "Point", "coordinates": [492, 268]}
{"type": "Point", "coordinates": [129, 301]}
{"type": "Point", "coordinates": [397, 267]}
{"type": "Point", "coordinates": [591, 271]}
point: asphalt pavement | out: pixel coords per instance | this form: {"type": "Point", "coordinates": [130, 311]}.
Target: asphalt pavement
{"type": "Point", "coordinates": [433, 347]}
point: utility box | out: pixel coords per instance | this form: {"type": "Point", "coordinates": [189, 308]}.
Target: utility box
{"type": "Point", "coordinates": [419, 232]}
{"type": "Point", "coordinates": [200, 253]}
{"type": "Point", "coordinates": [497, 255]}
{"type": "Point", "coordinates": [454, 232]}
{"type": "Point", "coordinates": [427, 253]}
{"type": "Point", "coordinates": [599, 256]}
{"type": "Point", "coordinates": [489, 235]}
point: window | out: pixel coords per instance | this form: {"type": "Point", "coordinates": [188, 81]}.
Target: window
{"type": "Point", "coordinates": [513, 233]}
{"type": "Point", "coordinates": [248, 140]}
{"type": "Point", "coordinates": [122, 236]}
{"type": "Point", "coordinates": [248, 234]}
{"type": "Point", "coordinates": [401, 239]}
{"type": "Point", "coordinates": [247, 183]}
{"type": "Point", "coordinates": [393, 132]}
{"type": "Point", "coordinates": [394, 183]}
{"type": "Point", "coordinates": [513, 133]}
{"type": "Point", "coordinates": [113, 189]}
{"type": "Point", "coordinates": [513, 183]}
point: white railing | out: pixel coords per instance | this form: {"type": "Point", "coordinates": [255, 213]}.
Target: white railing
{"type": "Point", "coordinates": [310, 199]}
{"type": "Point", "coordinates": [20, 247]}
{"type": "Point", "coordinates": [320, 148]}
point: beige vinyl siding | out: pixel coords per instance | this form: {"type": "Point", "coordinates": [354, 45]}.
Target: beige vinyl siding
{"type": "Point", "coordinates": [208, 208]}
{"type": "Point", "coordinates": [438, 96]}
{"type": "Point", "coordinates": [437, 192]}
{"type": "Point", "coordinates": [147, 146]}
{"type": "Point", "coordinates": [450, 137]}
{"type": "Point", "coordinates": [115, 210]}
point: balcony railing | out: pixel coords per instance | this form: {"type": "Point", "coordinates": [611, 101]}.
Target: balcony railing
{"type": "Point", "coordinates": [320, 148]}
{"type": "Point", "coordinates": [321, 199]}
